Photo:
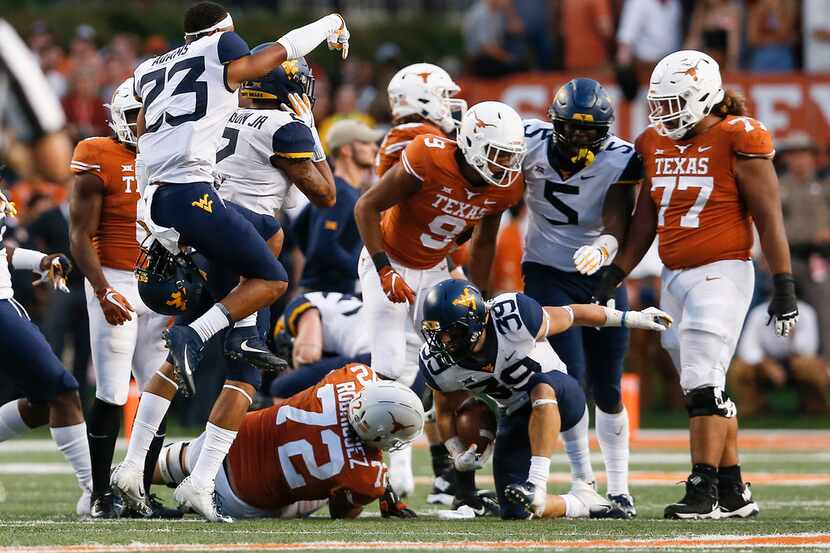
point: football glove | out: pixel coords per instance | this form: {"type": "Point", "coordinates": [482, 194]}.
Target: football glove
{"type": "Point", "coordinates": [395, 287]}
{"type": "Point", "coordinates": [392, 506]}
{"type": "Point", "coordinates": [784, 306]}
{"type": "Point", "coordinates": [339, 40]}
{"type": "Point", "coordinates": [465, 460]}
{"type": "Point", "coordinates": [116, 308]}
{"type": "Point", "coordinates": [610, 279]}
{"type": "Point", "coordinates": [54, 269]}
{"type": "Point", "coordinates": [589, 259]}
{"type": "Point", "coordinates": [648, 319]}
{"type": "Point", "coordinates": [300, 107]}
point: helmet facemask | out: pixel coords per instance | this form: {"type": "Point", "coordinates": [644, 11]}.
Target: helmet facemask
{"type": "Point", "coordinates": [454, 342]}
{"type": "Point", "coordinates": [579, 141]}
{"type": "Point", "coordinates": [500, 164]}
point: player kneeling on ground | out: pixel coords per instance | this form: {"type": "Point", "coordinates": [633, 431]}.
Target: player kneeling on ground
{"type": "Point", "coordinates": [499, 349]}
{"type": "Point", "coordinates": [326, 445]}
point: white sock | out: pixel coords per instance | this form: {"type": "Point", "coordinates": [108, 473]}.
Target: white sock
{"type": "Point", "coordinates": [574, 508]}
{"type": "Point", "coordinates": [539, 471]}
{"type": "Point", "coordinates": [214, 320]}
{"type": "Point", "coordinates": [250, 320]}
{"type": "Point", "coordinates": [151, 411]}
{"type": "Point", "coordinates": [11, 423]}
{"type": "Point", "coordinates": [579, 454]}
{"type": "Point", "coordinates": [217, 443]}
{"type": "Point", "coordinates": [73, 443]}
{"type": "Point", "coordinates": [612, 434]}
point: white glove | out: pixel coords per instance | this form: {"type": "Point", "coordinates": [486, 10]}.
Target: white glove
{"type": "Point", "coordinates": [55, 272]}
{"type": "Point", "coordinates": [648, 319]}
{"type": "Point", "coordinates": [339, 40]}
{"type": "Point", "coordinates": [589, 259]}
{"type": "Point", "coordinates": [301, 41]}
{"type": "Point", "coordinates": [464, 460]}
{"type": "Point", "coordinates": [301, 109]}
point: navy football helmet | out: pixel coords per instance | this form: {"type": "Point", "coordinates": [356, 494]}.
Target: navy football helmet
{"type": "Point", "coordinates": [167, 283]}
{"type": "Point", "coordinates": [454, 318]}
{"type": "Point", "coordinates": [291, 76]}
{"type": "Point", "coordinates": [582, 115]}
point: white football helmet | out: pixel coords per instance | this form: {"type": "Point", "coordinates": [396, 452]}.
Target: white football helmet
{"type": "Point", "coordinates": [425, 89]}
{"type": "Point", "coordinates": [492, 139]}
{"type": "Point", "coordinates": [123, 101]}
{"type": "Point", "coordinates": [387, 415]}
{"type": "Point", "coordinates": [684, 88]}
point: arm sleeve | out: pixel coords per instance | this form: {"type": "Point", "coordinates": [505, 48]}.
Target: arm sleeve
{"type": "Point", "coordinates": [633, 172]}
{"type": "Point", "coordinates": [751, 138]}
{"type": "Point", "coordinates": [293, 140]}
{"type": "Point", "coordinates": [231, 47]}
{"type": "Point", "coordinates": [531, 313]}
{"type": "Point", "coordinates": [85, 159]}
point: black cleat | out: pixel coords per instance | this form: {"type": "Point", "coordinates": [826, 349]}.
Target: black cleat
{"type": "Point", "coordinates": [245, 344]}
{"type": "Point", "coordinates": [526, 495]}
{"type": "Point", "coordinates": [186, 349]}
{"type": "Point", "coordinates": [700, 501]}
{"type": "Point", "coordinates": [735, 499]}
{"type": "Point", "coordinates": [157, 510]}
{"type": "Point", "coordinates": [625, 503]}
{"type": "Point", "coordinates": [483, 503]}
{"type": "Point", "coordinates": [106, 505]}
{"type": "Point", "coordinates": [443, 489]}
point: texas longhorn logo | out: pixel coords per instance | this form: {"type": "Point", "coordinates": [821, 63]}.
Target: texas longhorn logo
{"type": "Point", "coordinates": [424, 76]}
{"type": "Point", "coordinates": [691, 71]}
{"type": "Point", "coordinates": [466, 299]}
{"type": "Point", "coordinates": [396, 426]}
{"type": "Point", "coordinates": [205, 203]}
{"type": "Point", "coordinates": [481, 124]}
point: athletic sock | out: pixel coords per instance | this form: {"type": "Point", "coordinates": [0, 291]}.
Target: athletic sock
{"type": "Point", "coordinates": [465, 483]}
{"type": "Point", "coordinates": [441, 461]}
{"type": "Point", "coordinates": [212, 321]}
{"type": "Point", "coordinates": [153, 455]}
{"type": "Point", "coordinates": [103, 422]}
{"type": "Point", "coordinates": [539, 471]}
{"type": "Point", "coordinates": [151, 411]}
{"type": "Point", "coordinates": [218, 442]}
{"type": "Point", "coordinates": [250, 320]}
{"type": "Point", "coordinates": [72, 442]}
{"type": "Point", "coordinates": [578, 451]}
{"type": "Point", "coordinates": [11, 423]}
{"type": "Point", "coordinates": [730, 475]}
{"type": "Point", "coordinates": [709, 472]}
{"type": "Point", "coordinates": [612, 434]}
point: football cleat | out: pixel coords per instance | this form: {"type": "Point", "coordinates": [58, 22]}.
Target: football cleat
{"type": "Point", "coordinates": [735, 501]}
{"type": "Point", "coordinates": [158, 510]}
{"type": "Point", "coordinates": [202, 500]}
{"type": "Point", "coordinates": [528, 495]}
{"type": "Point", "coordinates": [84, 504]}
{"type": "Point", "coordinates": [186, 349]}
{"type": "Point", "coordinates": [700, 501]}
{"type": "Point", "coordinates": [106, 505]}
{"type": "Point", "coordinates": [245, 344]}
{"type": "Point", "coordinates": [483, 503]}
{"type": "Point", "coordinates": [596, 506]}
{"type": "Point", "coordinates": [443, 489]}
{"type": "Point", "coordinates": [392, 506]}
{"type": "Point", "coordinates": [127, 482]}
{"type": "Point", "coordinates": [625, 503]}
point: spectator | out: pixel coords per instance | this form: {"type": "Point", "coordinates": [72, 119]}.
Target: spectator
{"type": "Point", "coordinates": [649, 29]}
{"type": "Point", "coordinates": [764, 358]}
{"type": "Point", "coordinates": [487, 29]}
{"type": "Point", "coordinates": [588, 49]}
{"type": "Point", "coordinates": [806, 204]}
{"type": "Point", "coordinates": [53, 63]}
{"type": "Point", "coordinates": [85, 112]}
{"type": "Point", "coordinates": [815, 16]}
{"type": "Point", "coordinates": [771, 34]}
{"type": "Point", "coordinates": [345, 107]}
{"type": "Point", "coordinates": [83, 54]}
{"type": "Point", "coordinates": [538, 29]}
{"type": "Point", "coordinates": [328, 237]}
{"type": "Point", "coordinates": [716, 30]}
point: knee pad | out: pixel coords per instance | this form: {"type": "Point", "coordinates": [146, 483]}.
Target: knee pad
{"type": "Point", "coordinates": [709, 401]}
{"type": "Point", "coordinates": [170, 464]}
{"type": "Point", "coordinates": [243, 372]}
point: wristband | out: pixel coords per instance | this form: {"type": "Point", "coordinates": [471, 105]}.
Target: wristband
{"type": "Point", "coordinates": [785, 282]}
{"type": "Point", "coordinates": [381, 260]}
{"type": "Point", "coordinates": [607, 244]}
{"type": "Point", "coordinates": [613, 317]}
{"type": "Point", "coordinates": [27, 259]}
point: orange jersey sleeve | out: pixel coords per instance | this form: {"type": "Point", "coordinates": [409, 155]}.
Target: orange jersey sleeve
{"type": "Point", "coordinates": [85, 158]}
{"type": "Point", "coordinates": [750, 137]}
{"type": "Point", "coordinates": [396, 140]}
{"type": "Point", "coordinates": [420, 231]}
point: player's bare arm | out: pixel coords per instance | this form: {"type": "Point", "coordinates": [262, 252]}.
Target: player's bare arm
{"type": "Point", "coordinates": [560, 319]}
{"type": "Point", "coordinates": [641, 230]}
{"type": "Point", "coordinates": [310, 178]}
{"type": "Point", "coordinates": [483, 250]}
{"type": "Point", "coordinates": [308, 344]}
{"type": "Point", "coordinates": [394, 187]}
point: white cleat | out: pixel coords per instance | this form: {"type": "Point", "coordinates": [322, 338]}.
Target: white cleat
{"type": "Point", "coordinates": [400, 472]}
{"type": "Point", "coordinates": [597, 506]}
{"type": "Point", "coordinates": [201, 500]}
{"type": "Point", "coordinates": [127, 481]}
{"type": "Point", "coordinates": [84, 506]}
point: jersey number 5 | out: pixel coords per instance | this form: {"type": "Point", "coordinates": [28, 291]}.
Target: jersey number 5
{"type": "Point", "coordinates": [669, 184]}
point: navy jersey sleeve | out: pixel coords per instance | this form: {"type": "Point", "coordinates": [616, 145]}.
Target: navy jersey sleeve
{"type": "Point", "coordinates": [633, 172]}
{"type": "Point", "coordinates": [531, 313]}
{"type": "Point", "coordinates": [293, 140]}
{"type": "Point", "coordinates": [295, 308]}
{"type": "Point", "coordinates": [423, 361]}
{"type": "Point", "coordinates": [231, 47]}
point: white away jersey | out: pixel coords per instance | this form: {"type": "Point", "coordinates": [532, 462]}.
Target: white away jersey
{"type": "Point", "coordinates": [343, 331]}
{"type": "Point", "coordinates": [512, 358]}
{"type": "Point", "coordinates": [186, 104]}
{"type": "Point", "coordinates": [251, 138]}
{"type": "Point", "coordinates": [566, 214]}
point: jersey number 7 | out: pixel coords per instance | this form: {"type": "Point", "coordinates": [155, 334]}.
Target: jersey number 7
{"type": "Point", "coordinates": [669, 184]}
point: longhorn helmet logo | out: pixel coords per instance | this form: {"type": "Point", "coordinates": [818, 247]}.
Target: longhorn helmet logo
{"type": "Point", "coordinates": [482, 124]}
{"type": "Point", "coordinates": [397, 427]}
{"type": "Point", "coordinates": [690, 71]}
{"type": "Point", "coordinates": [425, 75]}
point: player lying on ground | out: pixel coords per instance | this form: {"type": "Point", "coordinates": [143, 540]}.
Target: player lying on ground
{"type": "Point", "coordinates": [323, 444]}
{"type": "Point", "coordinates": [500, 349]}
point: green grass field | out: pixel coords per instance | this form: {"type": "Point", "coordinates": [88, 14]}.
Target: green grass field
{"type": "Point", "coordinates": [792, 484]}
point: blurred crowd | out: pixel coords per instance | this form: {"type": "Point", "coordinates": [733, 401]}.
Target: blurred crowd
{"type": "Point", "coordinates": [504, 36]}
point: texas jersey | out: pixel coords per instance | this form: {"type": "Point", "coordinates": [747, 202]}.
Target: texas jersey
{"type": "Point", "coordinates": [113, 163]}
{"type": "Point", "coordinates": [304, 447]}
{"type": "Point", "coordinates": [6, 290]}
{"type": "Point", "coordinates": [420, 231]}
{"type": "Point", "coordinates": [340, 315]}
{"type": "Point", "coordinates": [566, 213]}
{"type": "Point", "coordinates": [250, 140]}
{"type": "Point", "coordinates": [397, 139]}
{"type": "Point", "coordinates": [511, 355]}
{"type": "Point", "coordinates": [186, 104]}
{"type": "Point", "coordinates": [701, 217]}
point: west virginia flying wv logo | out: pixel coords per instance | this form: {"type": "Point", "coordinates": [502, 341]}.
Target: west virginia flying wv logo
{"type": "Point", "coordinates": [177, 300]}
{"type": "Point", "coordinates": [205, 203]}
{"type": "Point", "coordinates": [466, 299]}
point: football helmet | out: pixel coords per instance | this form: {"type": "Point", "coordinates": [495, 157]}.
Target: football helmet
{"type": "Point", "coordinates": [455, 314]}
{"type": "Point", "coordinates": [167, 283]}
{"type": "Point", "coordinates": [427, 90]}
{"type": "Point", "coordinates": [492, 139]}
{"type": "Point", "coordinates": [684, 88]}
{"type": "Point", "coordinates": [582, 114]}
{"type": "Point", "coordinates": [291, 76]}
{"type": "Point", "coordinates": [387, 415]}
{"type": "Point", "coordinates": [123, 101]}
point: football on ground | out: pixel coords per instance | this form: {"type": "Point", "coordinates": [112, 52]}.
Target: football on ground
{"type": "Point", "coordinates": [475, 423]}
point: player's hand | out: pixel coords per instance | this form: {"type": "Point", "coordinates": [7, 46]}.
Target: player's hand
{"type": "Point", "coordinates": [339, 40]}
{"type": "Point", "coordinates": [467, 460]}
{"type": "Point", "coordinates": [304, 353]}
{"type": "Point", "coordinates": [395, 287]}
{"type": "Point", "coordinates": [648, 319]}
{"type": "Point", "coordinates": [589, 259]}
{"type": "Point", "coordinates": [784, 305]}
{"type": "Point", "coordinates": [392, 506]}
{"type": "Point", "coordinates": [54, 268]}
{"type": "Point", "coordinates": [116, 308]}
{"type": "Point", "coordinates": [605, 291]}
{"type": "Point", "coordinates": [301, 108]}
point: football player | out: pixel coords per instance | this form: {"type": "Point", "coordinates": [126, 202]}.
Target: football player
{"type": "Point", "coordinates": [416, 215]}
{"type": "Point", "coordinates": [499, 349]}
{"type": "Point", "coordinates": [187, 97]}
{"type": "Point", "coordinates": [50, 393]}
{"type": "Point", "coordinates": [709, 176]}
{"type": "Point", "coordinates": [580, 197]}
{"type": "Point", "coordinates": [124, 333]}
{"type": "Point", "coordinates": [326, 445]}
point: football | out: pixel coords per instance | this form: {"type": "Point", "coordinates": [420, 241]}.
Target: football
{"type": "Point", "coordinates": [475, 423]}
